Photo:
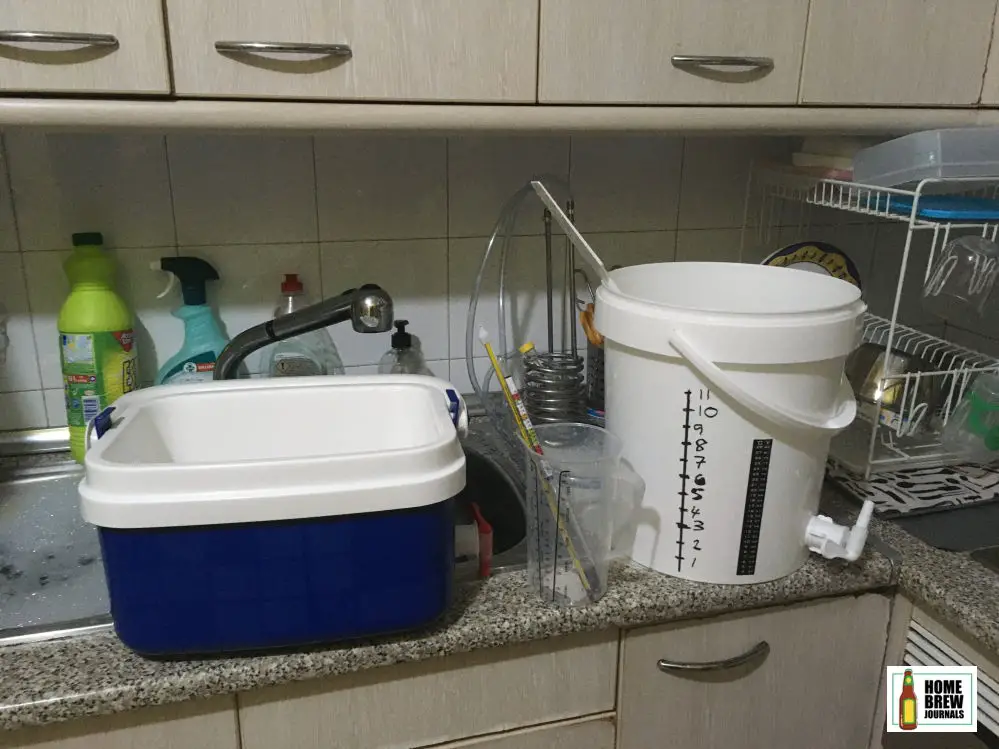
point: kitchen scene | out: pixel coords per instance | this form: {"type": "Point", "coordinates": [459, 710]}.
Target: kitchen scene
{"type": "Point", "coordinates": [404, 374]}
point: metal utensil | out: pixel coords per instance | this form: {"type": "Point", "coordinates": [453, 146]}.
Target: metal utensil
{"type": "Point", "coordinates": [591, 257]}
{"type": "Point", "coordinates": [891, 389]}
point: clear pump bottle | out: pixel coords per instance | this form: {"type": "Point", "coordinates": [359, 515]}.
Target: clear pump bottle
{"type": "Point", "coordinates": [405, 356]}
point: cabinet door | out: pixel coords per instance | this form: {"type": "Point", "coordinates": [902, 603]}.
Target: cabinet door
{"type": "Point", "coordinates": [590, 733]}
{"type": "Point", "coordinates": [623, 52]}
{"type": "Point", "coordinates": [416, 50]}
{"type": "Point", "coordinates": [437, 700]}
{"type": "Point", "coordinates": [115, 46]}
{"type": "Point", "coordinates": [199, 724]}
{"type": "Point", "coordinates": [893, 52]}
{"type": "Point", "coordinates": [817, 686]}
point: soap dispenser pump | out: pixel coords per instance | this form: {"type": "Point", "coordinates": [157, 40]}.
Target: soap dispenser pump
{"type": "Point", "coordinates": [403, 357]}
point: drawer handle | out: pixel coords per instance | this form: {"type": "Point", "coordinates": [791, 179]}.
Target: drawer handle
{"type": "Point", "coordinates": [58, 37]}
{"type": "Point", "coordinates": [700, 61]}
{"type": "Point", "coordinates": [759, 651]}
{"type": "Point", "coordinates": [294, 48]}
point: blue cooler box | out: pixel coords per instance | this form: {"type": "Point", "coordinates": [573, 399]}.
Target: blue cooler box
{"type": "Point", "coordinates": [242, 516]}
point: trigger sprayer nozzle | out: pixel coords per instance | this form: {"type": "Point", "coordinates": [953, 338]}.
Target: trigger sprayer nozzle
{"type": "Point", "coordinates": [172, 279]}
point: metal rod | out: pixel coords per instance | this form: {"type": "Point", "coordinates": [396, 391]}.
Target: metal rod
{"type": "Point", "coordinates": [549, 279]}
{"type": "Point", "coordinates": [570, 209]}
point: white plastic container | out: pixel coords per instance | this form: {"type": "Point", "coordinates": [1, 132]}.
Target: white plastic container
{"type": "Point", "coordinates": [931, 154]}
{"type": "Point", "coordinates": [251, 514]}
{"type": "Point", "coordinates": [725, 382]}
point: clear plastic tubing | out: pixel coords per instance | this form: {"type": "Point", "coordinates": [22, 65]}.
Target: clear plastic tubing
{"type": "Point", "coordinates": [502, 231]}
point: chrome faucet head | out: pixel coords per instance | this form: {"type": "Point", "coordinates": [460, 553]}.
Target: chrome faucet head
{"type": "Point", "coordinates": [371, 310]}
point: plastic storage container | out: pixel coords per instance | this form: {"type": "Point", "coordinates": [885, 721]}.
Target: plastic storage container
{"type": "Point", "coordinates": [254, 514]}
{"type": "Point", "coordinates": [941, 154]}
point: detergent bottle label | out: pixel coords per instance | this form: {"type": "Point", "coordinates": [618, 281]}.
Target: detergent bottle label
{"type": "Point", "coordinates": [198, 368]}
{"type": "Point", "coordinates": [97, 368]}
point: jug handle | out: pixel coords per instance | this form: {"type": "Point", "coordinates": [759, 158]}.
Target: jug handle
{"type": "Point", "coordinates": [630, 491]}
{"type": "Point", "coordinates": [841, 418]}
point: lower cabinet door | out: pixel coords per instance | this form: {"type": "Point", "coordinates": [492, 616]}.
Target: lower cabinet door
{"type": "Point", "coordinates": [585, 733]}
{"type": "Point", "coordinates": [712, 683]}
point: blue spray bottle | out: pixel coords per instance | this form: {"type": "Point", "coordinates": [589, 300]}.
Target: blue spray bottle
{"type": "Point", "coordinates": [203, 339]}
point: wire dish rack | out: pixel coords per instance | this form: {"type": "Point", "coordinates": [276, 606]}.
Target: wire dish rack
{"type": "Point", "coordinates": [900, 424]}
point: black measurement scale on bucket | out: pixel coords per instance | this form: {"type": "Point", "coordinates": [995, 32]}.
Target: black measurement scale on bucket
{"type": "Point", "coordinates": [697, 412]}
{"type": "Point", "coordinates": [752, 514]}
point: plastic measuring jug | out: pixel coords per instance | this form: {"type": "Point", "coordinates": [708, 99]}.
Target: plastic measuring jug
{"type": "Point", "coordinates": [579, 493]}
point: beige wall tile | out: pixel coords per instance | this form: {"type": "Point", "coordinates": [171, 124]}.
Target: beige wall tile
{"type": "Point", "coordinates": [233, 189]}
{"type": "Point", "coordinates": [715, 174]}
{"type": "Point", "coordinates": [68, 182]}
{"type": "Point", "coordinates": [381, 187]}
{"type": "Point", "coordinates": [626, 183]}
{"type": "Point", "coordinates": [20, 372]}
{"type": "Point", "coordinates": [484, 171]}
{"type": "Point", "coordinates": [22, 410]}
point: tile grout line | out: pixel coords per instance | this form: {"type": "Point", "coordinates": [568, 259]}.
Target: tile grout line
{"type": "Point", "coordinates": [679, 198]}
{"type": "Point", "coordinates": [447, 248]}
{"type": "Point", "coordinates": [173, 207]}
{"type": "Point", "coordinates": [319, 238]}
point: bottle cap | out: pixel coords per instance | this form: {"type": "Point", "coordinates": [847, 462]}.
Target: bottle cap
{"type": "Point", "coordinates": [401, 339]}
{"type": "Point", "coordinates": [291, 284]}
{"type": "Point", "coordinates": [83, 239]}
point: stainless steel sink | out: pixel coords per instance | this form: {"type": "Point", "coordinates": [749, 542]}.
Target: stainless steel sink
{"type": "Point", "coordinates": [988, 557]}
{"type": "Point", "coordinates": [52, 577]}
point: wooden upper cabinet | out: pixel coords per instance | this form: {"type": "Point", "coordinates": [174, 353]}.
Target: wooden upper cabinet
{"type": "Point", "coordinates": [624, 52]}
{"type": "Point", "coordinates": [896, 52]}
{"type": "Point", "coordinates": [403, 50]}
{"type": "Point", "coordinates": [83, 46]}
{"type": "Point", "coordinates": [816, 686]}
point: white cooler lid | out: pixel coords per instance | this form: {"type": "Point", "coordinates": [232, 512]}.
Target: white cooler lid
{"type": "Point", "coordinates": [242, 451]}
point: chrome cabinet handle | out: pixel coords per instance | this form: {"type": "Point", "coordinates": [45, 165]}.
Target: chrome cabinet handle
{"type": "Point", "coordinates": [759, 651]}
{"type": "Point", "coordinates": [295, 48]}
{"type": "Point", "coordinates": [723, 61]}
{"type": "Point", "coordinates": [58, 37]}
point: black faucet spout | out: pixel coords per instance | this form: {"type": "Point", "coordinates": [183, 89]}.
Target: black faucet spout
{"type": "Point", "coordinates": [368, 308]}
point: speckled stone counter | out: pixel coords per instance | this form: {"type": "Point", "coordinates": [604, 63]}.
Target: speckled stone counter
{"type": "Point", "coordinates": [95, 674]}
{"type": "Point", "coordinates": [959, 591]}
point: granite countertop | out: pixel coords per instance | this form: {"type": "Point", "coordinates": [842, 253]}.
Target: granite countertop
{"type": "Point", "coordinates": [959, 591]}
{"type": "Point", "coordinates": [95, 674]}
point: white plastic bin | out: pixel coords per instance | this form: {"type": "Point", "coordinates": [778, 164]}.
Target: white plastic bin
{"type": "Point", "coordinates": [725, 382]}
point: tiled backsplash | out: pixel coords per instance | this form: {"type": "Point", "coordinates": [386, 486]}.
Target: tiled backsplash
{"type": "Point", "coordinates": [411, 213]}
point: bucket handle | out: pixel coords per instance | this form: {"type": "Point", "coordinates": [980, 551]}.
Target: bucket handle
{"type": "Point", "coordinates": [841, 418]}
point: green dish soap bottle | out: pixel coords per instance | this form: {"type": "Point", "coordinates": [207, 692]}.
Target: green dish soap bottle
{"type": "Point", "coordinates": [96, 341]}
{"type": "Point", "coordinates": [203, 339]}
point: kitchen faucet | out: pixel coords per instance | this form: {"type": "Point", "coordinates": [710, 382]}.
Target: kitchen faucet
{"type": "Point", "coordinates": [368, 308]}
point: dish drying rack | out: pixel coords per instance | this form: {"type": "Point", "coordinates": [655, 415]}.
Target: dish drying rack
{"type": "Point", "coordinates": [909, 437]}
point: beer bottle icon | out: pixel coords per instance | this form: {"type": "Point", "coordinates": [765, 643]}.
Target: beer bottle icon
{"type": "Point", "coordinates": [907, 703]}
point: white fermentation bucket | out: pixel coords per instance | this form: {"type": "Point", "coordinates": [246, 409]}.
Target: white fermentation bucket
{"type": "Point", "coordinates": [725, 382]}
